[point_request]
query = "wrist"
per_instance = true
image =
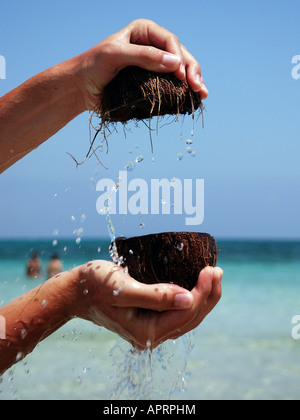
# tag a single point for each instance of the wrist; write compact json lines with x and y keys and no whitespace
{"x":38,"y":313}
{"x":69,"y":81}
{"x":64,"y":289}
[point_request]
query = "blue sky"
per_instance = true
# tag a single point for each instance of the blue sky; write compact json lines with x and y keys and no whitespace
{"x":247,"y":153}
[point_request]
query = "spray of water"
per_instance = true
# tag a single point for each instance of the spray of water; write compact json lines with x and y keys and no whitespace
{"x":161,"y":373}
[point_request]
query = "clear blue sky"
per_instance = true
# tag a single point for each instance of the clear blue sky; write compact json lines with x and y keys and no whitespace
{"x":248,"y":151}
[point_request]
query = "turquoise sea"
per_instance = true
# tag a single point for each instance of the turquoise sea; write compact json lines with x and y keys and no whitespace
{"x":243,"y":350}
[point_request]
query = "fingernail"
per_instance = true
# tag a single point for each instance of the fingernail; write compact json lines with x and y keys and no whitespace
{"x":183,"y":300}
{"x":209,"y":269}
{"x":182,"y":69}
{"x":219,"y":271}
{"x":170,"y":60}
{"x":198,"y":81}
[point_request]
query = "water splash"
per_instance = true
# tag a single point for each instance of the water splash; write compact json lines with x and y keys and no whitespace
{"x":139,"y":158}
{"x":129,"y":166}
{"x":151,"y":374}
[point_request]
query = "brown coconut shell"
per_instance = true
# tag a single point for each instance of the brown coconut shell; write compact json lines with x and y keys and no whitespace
{"x":140,"y":94}
{"x":170,"y":257}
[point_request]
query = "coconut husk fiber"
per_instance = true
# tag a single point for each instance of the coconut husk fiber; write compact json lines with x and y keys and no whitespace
{"x":140,"y":94}
{"x":170,"y":257}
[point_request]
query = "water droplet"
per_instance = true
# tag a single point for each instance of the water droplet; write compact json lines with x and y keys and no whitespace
{"x":44,"y":303}
{"x":179,"y":156}
{"x":189,"y":149}
{"x":85,"y":369}
{"x":173,"y":182}
{"x":120,"y":260}
{"x":193,"y":154}
{"x":103,"y":211}
{"x":80,"y":231}
{"x":23,"y":333}
{"x":19,"y":356}
{"x":78,"y":240}
{"x":139,"y":158}
{"x":129,"y":166}
{"x":73,"y":218}
{"x":142,"y":225}
{"x":125,"y":270}
{"x":117,"y":291}
{"x":180,"y":246}
{"x":54,"y":242}
{"x":163,"y":201}
{"x":86,"y":291}
{"x":99,"y":249}
{"x":130,"y":252}
{"x":189,"y":141}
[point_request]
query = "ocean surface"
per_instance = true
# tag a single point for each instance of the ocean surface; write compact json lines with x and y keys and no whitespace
{"x":243,"y":350}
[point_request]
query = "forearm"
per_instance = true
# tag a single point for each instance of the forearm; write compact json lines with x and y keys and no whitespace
{"x":37,"y":109}
{"x":34,"y":316}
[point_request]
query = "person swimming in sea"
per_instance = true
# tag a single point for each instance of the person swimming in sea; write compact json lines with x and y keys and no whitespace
{"x":33,"y":266}
{"x":55,"y":266}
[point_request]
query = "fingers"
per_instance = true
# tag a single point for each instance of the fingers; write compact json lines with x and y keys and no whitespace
{"x":156,"y":297}
{"x":141,"y":313}
{"x":155,"y":327}
{"x":207,"y":293}
{"x":193,"y":74}
{"x":154,"y":48}
{"x":150,"y":58}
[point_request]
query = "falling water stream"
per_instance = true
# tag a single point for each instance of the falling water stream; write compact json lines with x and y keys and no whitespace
{"x":151,"y":374}
{"x":146,"y":374}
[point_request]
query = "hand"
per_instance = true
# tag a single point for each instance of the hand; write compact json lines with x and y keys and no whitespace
{"x":144,"y":315}
{"x":142,"y":43}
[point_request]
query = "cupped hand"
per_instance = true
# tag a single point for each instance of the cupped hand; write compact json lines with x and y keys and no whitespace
{"x":144,"y":315}
{"x":142,"y":43}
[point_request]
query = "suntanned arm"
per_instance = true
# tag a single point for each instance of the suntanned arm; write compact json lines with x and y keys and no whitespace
{"x":33,"y":316}
{"x":36,"y":110}
{"x":140,"y":313}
